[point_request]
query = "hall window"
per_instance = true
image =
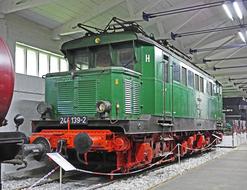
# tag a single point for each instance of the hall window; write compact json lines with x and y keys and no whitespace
{"x":34,"y":61}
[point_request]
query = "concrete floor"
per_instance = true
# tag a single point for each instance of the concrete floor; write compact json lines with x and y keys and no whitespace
{"x":226,"y":173}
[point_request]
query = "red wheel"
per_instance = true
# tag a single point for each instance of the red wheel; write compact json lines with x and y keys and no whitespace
{"x":184,"y":148}
{"x":7,"y":77}
{"x":144,"y":153}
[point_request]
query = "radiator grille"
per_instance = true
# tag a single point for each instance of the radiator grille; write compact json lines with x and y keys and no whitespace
{"x":128,"y":96}
{"x":87,"y":97}
{"x":132,"y":97}
{"x":136,"y":97}
{"x":65,"y":97}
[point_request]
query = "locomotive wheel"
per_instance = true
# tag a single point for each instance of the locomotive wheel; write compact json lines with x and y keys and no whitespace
{"x":46,"y":148}
{"x":144,"y":153}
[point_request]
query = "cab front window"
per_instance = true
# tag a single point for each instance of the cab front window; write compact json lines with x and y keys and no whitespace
{"x":102,"y":56}
{"x":81,"y":59}
{"x":118,"y":55}
{"x":124,"y":55}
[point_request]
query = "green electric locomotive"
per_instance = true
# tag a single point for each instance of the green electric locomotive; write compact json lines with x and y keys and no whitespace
{"x":127,"y":101}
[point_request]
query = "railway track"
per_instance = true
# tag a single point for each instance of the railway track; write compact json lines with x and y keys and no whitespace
{"x":75,"y":180}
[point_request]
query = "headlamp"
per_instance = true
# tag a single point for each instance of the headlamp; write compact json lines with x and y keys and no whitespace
{"x":103,"y":106}
{"x":44,"y":109}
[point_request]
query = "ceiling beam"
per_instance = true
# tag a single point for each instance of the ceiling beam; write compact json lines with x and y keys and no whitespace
{"x":161,"y":28}
{"x":226,"y":54}
{"x":230,"y":67}
{"x":179,"y":25}
{"x":229,"y":74}
{"x":202,"y":39}
{"x":147,"y":16}
{"x":130,"y":8}
{"x":232,"y":46}
{"x":224,"y":59}
{"x":67,"y":27}
{"x":186,"y":22}
{"x":205,"y":31}
{"x":11,"y":6}
{"x":219,"y":43}
{"x":227,"y":57}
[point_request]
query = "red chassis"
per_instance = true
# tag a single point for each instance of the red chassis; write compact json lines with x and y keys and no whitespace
{"x":133,"y":151}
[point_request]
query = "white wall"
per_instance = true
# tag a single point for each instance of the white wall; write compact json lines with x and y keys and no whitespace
{"x":25,"y":31}
{"x":29,"y":90}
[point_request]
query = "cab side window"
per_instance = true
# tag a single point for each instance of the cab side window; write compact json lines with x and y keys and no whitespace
{"x":191,"y":79}
{"x":197,"y":82}
{"x":184,"y":76}
{"x":201,"y":85}
{"x":176,"y":72}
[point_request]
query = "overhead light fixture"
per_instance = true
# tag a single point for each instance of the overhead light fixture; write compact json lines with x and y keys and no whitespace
{"x":241,"y":35}
{"x":237,"y":9}
{"x":227,"y":10}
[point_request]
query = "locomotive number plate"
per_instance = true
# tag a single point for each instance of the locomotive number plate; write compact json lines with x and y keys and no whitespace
{"x":74,"y":120}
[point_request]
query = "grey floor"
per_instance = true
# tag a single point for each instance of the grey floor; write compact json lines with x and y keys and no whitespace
{"x":229,"y":172}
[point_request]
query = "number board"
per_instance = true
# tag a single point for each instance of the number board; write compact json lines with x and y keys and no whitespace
{"x":74,"y":120}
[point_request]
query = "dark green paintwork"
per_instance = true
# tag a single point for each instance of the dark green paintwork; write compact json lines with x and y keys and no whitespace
{"x":156,"y":98}
{"x":104,"y":39}
{"x":78,"y":95}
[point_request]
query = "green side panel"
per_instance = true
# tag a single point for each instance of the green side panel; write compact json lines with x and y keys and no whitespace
{"x":117,"y":94}
{"x":65,"y":97}
{"x":79,"y":96}
{"x":159,"y":98}
{"x":181,"y":101}
{"x":159,"y":81}
{"x":168,"y":99}
{"x":191,"y":96}
{"x":52,"y":87}
{"x":148,"y":87}
{"x":152,"y":95}
{"x":86,"y":97}
{"x":168,"y":93}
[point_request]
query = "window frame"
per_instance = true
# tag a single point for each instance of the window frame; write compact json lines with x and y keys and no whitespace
{"x":193,"y":80}
{"x":173,"y":71}
{"x":184,"y":77}
{"x":197,"y":82}
{"x":38,"y":51}
{"x":117,"y":49}
{"x":201,"y":84}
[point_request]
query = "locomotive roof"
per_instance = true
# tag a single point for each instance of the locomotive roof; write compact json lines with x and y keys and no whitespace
{"x":117,"y":37}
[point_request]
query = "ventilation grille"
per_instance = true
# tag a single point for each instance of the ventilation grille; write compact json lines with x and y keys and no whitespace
{"x":132,"y":97}
{"x":86,"y":97}
{"x":65,"y":97}
{"x":136,"y":97}
{"x":128,"y":96}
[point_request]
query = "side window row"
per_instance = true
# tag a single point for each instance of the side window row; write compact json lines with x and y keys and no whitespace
{"x":180,"y":74}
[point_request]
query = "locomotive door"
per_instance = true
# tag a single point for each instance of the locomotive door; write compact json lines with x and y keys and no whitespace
{"x":167,"y":88}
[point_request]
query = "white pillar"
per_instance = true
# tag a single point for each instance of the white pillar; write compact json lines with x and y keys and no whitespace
{"x":3,"y":27}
